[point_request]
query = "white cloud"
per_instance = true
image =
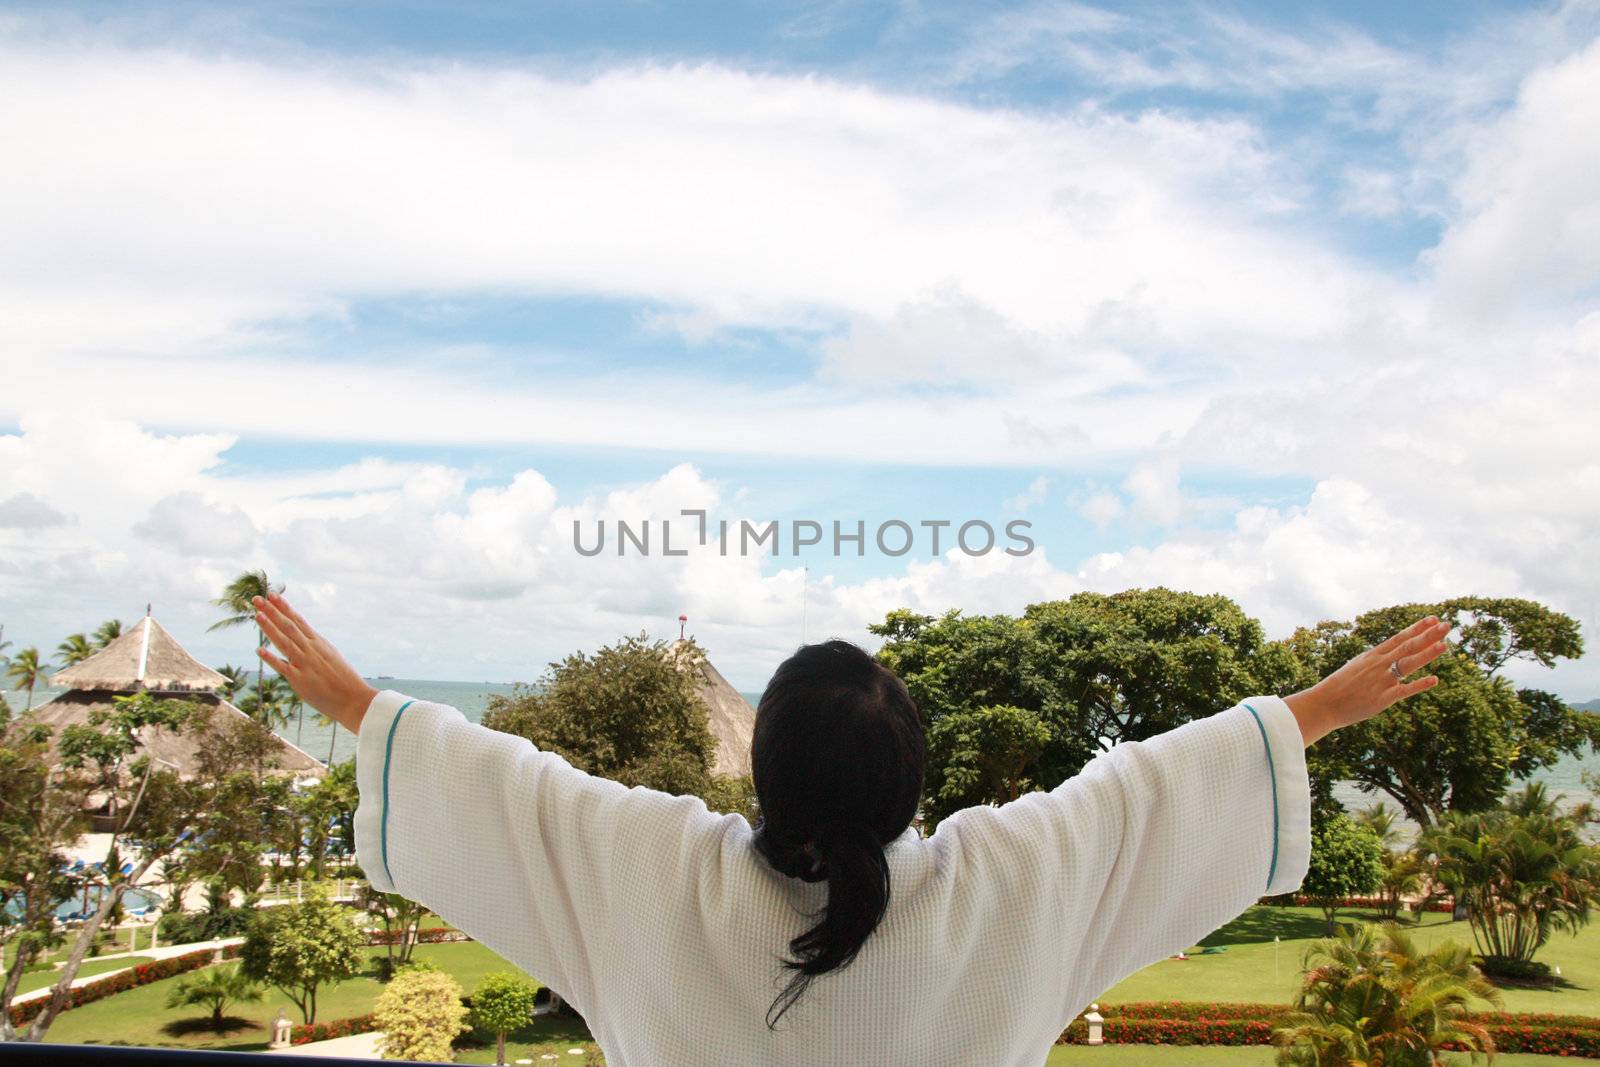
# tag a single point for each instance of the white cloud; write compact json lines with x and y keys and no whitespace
{"x":187,"y":523}
{"x":187,"y":198}
{"x":1030,"y":497}
{"x":25,"y":511}
{"x":1529,"y":232}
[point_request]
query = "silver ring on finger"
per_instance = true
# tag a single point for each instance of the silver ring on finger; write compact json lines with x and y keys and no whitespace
{"x":1394,"y":669}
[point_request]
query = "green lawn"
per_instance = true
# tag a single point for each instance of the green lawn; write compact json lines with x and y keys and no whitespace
{"x":47,"y":977}
{"x":1183,"y":1055}
{"x":140,"y":1016}
{"x":1245,"y":972}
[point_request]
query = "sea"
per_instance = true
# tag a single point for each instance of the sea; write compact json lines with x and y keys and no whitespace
{"x":472,"y":698}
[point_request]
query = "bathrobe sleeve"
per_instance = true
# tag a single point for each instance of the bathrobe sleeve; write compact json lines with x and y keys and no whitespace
{"x":1151,"y":847}
{"x":512,"y":844}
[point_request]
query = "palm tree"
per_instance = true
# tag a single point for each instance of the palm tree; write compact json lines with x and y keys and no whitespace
{"x":4,"y":659}
{"x":216,"y":988}
{"x":1368,"y":997}
{"x":267,"y":703}
{"x":235,"y":680}
{"x":109,"y":631}
{"x":293,"y":705}
{"x":1403,"y":869}
{"x":26,"y":671}
{"x":333,"y":734}
{"x":1521,"y":877}
{"x":238,"y":598}
{"x":75,"y":649}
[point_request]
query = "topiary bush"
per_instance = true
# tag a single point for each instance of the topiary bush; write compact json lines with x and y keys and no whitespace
{"x":420,"y":1013}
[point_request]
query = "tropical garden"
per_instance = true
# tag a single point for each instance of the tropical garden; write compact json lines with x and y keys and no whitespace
{"x":1451,"y":916}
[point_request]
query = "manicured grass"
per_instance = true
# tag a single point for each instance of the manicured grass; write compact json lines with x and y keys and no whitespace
{"x":139,"y":1016}
{"x":1183,"y":1055}
{"x":43,"y":978}
{"x":1245,"y":972}
{"x":549,"y":1035}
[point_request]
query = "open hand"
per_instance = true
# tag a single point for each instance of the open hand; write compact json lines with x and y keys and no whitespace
{"x":1372,"y":681}
{"x":312,"y":667}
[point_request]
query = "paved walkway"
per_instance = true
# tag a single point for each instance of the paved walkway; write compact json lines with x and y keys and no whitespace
{"x":162,"y":953}
{"x":354,"y":1047}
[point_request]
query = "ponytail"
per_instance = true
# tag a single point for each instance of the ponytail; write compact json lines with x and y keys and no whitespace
{"x":852,"y":861}
{"x":838,"y":757}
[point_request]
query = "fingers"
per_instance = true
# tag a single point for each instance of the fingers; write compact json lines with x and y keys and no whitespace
{"x":1413,"y":688}
{"x":295,"y":616}
{"x":274,"y":662}
{"x":1422,"y":656}
{"x":280,"y":632}
{"x":1409,"y":633}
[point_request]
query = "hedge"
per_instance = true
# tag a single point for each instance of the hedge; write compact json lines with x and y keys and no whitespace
{"x":1203,"y":1023}
{"x":304,"y":1034}
{"x":1375,"y":902}
{"x":433,"y":935}
{"x":122,"y":981}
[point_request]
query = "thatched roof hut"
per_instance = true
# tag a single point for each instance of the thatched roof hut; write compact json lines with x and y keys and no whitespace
{"x":732,"y":719}
{"x":149,"y":659}
{"x":176,"y":751}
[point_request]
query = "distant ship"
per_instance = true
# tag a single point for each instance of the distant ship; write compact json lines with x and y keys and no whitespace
{"x":384,"y":678}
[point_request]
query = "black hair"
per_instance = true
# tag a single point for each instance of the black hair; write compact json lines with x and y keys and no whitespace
{"x":838,"y":757}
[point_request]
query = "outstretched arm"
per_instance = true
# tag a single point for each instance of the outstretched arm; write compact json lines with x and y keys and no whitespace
{"x":311,"y":665}
{"x":1372,"y":681}
{"x":1156,"y":843}
{"x":540,"y":861}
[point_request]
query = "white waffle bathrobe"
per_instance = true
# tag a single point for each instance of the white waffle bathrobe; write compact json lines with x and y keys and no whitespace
{"x":657,"y":920}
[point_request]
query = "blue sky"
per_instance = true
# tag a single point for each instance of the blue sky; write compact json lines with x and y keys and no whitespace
{"x":1289,"y":302}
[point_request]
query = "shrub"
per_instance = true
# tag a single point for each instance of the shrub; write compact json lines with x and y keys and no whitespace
{"x":305,"y":1033}
{"x":1191,"y":1022}
{"x":302,"y":947}
{"x":503,"y":1002}
{"x":1517,"y":970}
{"x":420,"y":1013}
{"x":122,"y":981}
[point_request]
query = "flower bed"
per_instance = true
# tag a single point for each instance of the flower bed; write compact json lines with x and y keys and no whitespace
{"x":433,"y":935}
{"x":1203,"y":1023}
{"x":122,"y":981}
{"x":303,"y":1034}
{"x":1376,"y":902}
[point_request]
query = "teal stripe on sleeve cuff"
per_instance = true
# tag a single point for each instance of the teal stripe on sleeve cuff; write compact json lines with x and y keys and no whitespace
{"x":1272,"y":773}
{"x":383,"y":825}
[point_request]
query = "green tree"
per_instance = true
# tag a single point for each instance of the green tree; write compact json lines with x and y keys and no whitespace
{"x":238,"y":600}
{"x":234,"y":681}
{"x":326,"y":812}
{"x":503,"y":1002}
{"x":981,"y":756}
{"x":1404,"y":870}
{"x":1092,"y":670}
{"x":1521,"y":872}
{"x":25,"y":671}
{"x":630,"y":712}
{"x":107,"y":632}
{"x":267,"y":703}
{"x":300,"y":948}
{"x":420,"y":1013}
{"x":1368,"y":997}
{"x":75,"y":649}
{"x":215,"y":988}
{"x":401,"y":918}
{"x":41,"y":816}
{"x":1458,"y":746}
{"x":1346,"y":861}
{"x":212,"y":814}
